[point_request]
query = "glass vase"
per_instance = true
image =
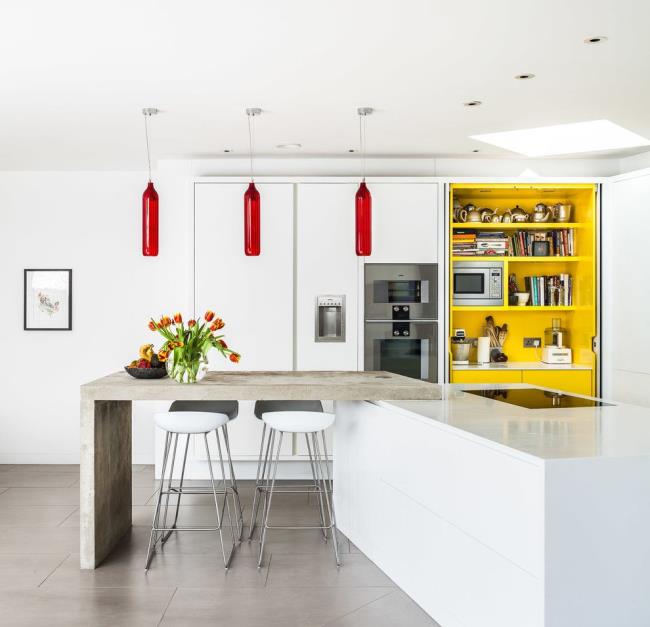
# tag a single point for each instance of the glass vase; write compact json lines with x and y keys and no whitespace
{"x":186,"y":368}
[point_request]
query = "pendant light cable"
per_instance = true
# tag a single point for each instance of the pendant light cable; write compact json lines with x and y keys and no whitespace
{"x":251,"y":131}
{"x":363,"y":112}
{"x":146,"y":137}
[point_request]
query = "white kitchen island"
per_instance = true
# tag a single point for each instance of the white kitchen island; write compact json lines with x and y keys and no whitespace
{"x":492,"y":515}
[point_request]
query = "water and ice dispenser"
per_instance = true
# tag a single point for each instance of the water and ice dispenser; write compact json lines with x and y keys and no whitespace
{"x":330,"y":319}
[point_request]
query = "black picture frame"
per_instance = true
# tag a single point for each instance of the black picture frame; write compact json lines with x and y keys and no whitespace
{"x":25,"y":279}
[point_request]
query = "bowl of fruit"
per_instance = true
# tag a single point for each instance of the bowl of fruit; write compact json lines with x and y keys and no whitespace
{"x":147,"y":366}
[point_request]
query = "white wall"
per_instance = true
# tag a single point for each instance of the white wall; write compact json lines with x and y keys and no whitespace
{"x":90,"y":222}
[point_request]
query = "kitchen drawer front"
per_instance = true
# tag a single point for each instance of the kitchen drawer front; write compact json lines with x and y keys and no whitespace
{"x":486,"y":376}
{"x":575,"y":381}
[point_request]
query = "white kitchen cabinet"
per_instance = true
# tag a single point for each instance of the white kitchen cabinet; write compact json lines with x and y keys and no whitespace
{"x":254,"y":295}
{"x":326,"y":264}
{"x":404,"y":222}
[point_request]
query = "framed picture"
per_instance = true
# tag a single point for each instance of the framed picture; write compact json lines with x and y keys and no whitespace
{"x":48,"y":300}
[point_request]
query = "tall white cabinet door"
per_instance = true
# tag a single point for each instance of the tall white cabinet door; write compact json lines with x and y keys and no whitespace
{"x":404,"y":223}
{"x":326,"y":264}
{"x":254,"y":295}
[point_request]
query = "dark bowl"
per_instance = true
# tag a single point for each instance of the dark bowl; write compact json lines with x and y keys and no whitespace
{"x":147,"y":373}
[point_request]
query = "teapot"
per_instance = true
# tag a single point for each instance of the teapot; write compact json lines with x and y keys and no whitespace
{"x":506,"y":218}
{"x":487,"y":215}
{"x":472,"y":214}
{"x":518,"y":214}
{"x":541,"y":213}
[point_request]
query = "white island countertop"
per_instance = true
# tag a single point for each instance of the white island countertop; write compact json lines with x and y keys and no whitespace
{"x":615,"y":430}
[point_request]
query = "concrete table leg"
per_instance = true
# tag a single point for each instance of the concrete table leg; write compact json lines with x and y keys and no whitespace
{"x":105,"y":506}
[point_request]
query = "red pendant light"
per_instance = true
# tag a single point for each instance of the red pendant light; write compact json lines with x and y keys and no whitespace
{"x":363,"y":199}
{"x":363,"y":220}
{"x":149,"y":201}
{"x":251,"y":199}
{"x":252,"y":221}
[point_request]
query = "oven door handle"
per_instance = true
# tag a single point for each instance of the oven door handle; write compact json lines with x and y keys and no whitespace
{"x":413,"y":320}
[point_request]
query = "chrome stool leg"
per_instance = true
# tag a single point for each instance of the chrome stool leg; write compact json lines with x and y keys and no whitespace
{"x":154,"y":525}
{"x":180,"y":491}
{"x":328,"y":495}
{"x":233,"y":486}
{"x":267,"y":507}
{"x":259,"y":480}
{"x":317,"y":488}
{"x":226,"y":560}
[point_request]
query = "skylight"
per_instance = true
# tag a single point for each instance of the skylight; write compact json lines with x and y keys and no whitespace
{"x":564,"y":139}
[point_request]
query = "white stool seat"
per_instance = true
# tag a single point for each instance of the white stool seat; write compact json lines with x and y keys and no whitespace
{"x":190,"y":421}
{"x":298,"y":421}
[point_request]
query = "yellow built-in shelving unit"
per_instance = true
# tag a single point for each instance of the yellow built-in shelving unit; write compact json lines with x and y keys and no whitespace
{"x":530,"y":321}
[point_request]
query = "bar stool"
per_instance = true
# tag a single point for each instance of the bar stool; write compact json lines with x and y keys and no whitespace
{"x":194,"y":418}
{"x":263,"y":462}
{"x":311,"y":424}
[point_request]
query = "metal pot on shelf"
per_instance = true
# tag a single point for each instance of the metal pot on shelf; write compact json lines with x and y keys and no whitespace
{"x":561,"y":212}
{"x":541,"y":213}
{"x":518,"y":214}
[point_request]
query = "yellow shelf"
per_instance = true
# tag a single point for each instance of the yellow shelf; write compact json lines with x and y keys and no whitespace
{"x":525,"y":309}
{"x":513,"y":258}
{"x":519,"y":226}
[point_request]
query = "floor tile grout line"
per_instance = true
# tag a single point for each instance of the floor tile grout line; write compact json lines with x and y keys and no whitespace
{"x":54,"y":569}
{"x":70,"y":515}
{"x":383,"y":596}
{"x":167,"y":606}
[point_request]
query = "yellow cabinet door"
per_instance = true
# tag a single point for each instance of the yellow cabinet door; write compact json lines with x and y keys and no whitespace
{"x":486,"y":376}
{"x":576,"y":381}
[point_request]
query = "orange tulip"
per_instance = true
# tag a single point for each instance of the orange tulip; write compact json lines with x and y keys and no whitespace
{"x":162,"y":355}
{"x":234,"y":357}
{"x":213,"y":327}
{"x":191,"y":323}
{"x":178,"y":318}
{"x":223,"y":344}
{"x":153,"y":326}
{"x":219,"y":323}
{"x":209,"y":315}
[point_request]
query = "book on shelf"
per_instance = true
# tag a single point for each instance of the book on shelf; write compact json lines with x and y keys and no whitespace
{"x":555,"y":290}
{"x":561,"y":242}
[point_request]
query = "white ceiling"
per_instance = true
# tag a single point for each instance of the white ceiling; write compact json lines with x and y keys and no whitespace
{"x":75,"y":74}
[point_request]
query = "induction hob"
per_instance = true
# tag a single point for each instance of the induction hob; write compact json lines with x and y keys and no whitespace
{"x":532,"y":398}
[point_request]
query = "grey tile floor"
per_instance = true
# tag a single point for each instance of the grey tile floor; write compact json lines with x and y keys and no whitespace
{"x":41,"y":584}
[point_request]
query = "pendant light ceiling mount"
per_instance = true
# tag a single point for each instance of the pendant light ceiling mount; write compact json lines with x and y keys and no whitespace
{"x":253,"y":111}
{"x":365,"y":110}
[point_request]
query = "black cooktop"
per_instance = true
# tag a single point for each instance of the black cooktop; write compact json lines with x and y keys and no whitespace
{"x":532,"y":398}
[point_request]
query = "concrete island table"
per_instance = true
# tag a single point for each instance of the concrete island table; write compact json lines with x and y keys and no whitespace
{"x":106,"y":429}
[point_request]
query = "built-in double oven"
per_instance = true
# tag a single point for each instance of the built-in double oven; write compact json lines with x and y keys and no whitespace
{"x":401,"y":319}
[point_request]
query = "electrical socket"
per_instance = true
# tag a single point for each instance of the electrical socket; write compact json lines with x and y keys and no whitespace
{"x":532,"y":342}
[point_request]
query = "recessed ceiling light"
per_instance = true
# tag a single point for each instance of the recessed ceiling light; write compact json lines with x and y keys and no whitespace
{"x":524,"y":77}
{"x":564,"y":139}
{"x":473,"y":103}
{"x":596,"y":40}
{"x":289,"y":146}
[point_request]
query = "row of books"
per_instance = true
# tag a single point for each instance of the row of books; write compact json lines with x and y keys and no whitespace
{"x":554,"y":290}
{"x":469,"y":243}
{"x":560,"y":243}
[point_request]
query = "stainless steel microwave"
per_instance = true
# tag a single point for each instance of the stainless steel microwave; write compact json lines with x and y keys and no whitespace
{"x":478,"y":283}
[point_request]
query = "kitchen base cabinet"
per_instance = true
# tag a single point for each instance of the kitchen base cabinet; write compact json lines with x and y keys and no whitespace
{"x":483,"y":376}
{"x":576,"y":381}
{"x":567,"y":380}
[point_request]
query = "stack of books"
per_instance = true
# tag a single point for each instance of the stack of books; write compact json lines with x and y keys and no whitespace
{"x":560,"y":242}
{"x":464,"y":243}
{"x":492,"y":243}
{"x":555,"y":290}
{"x":470,"y":243}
